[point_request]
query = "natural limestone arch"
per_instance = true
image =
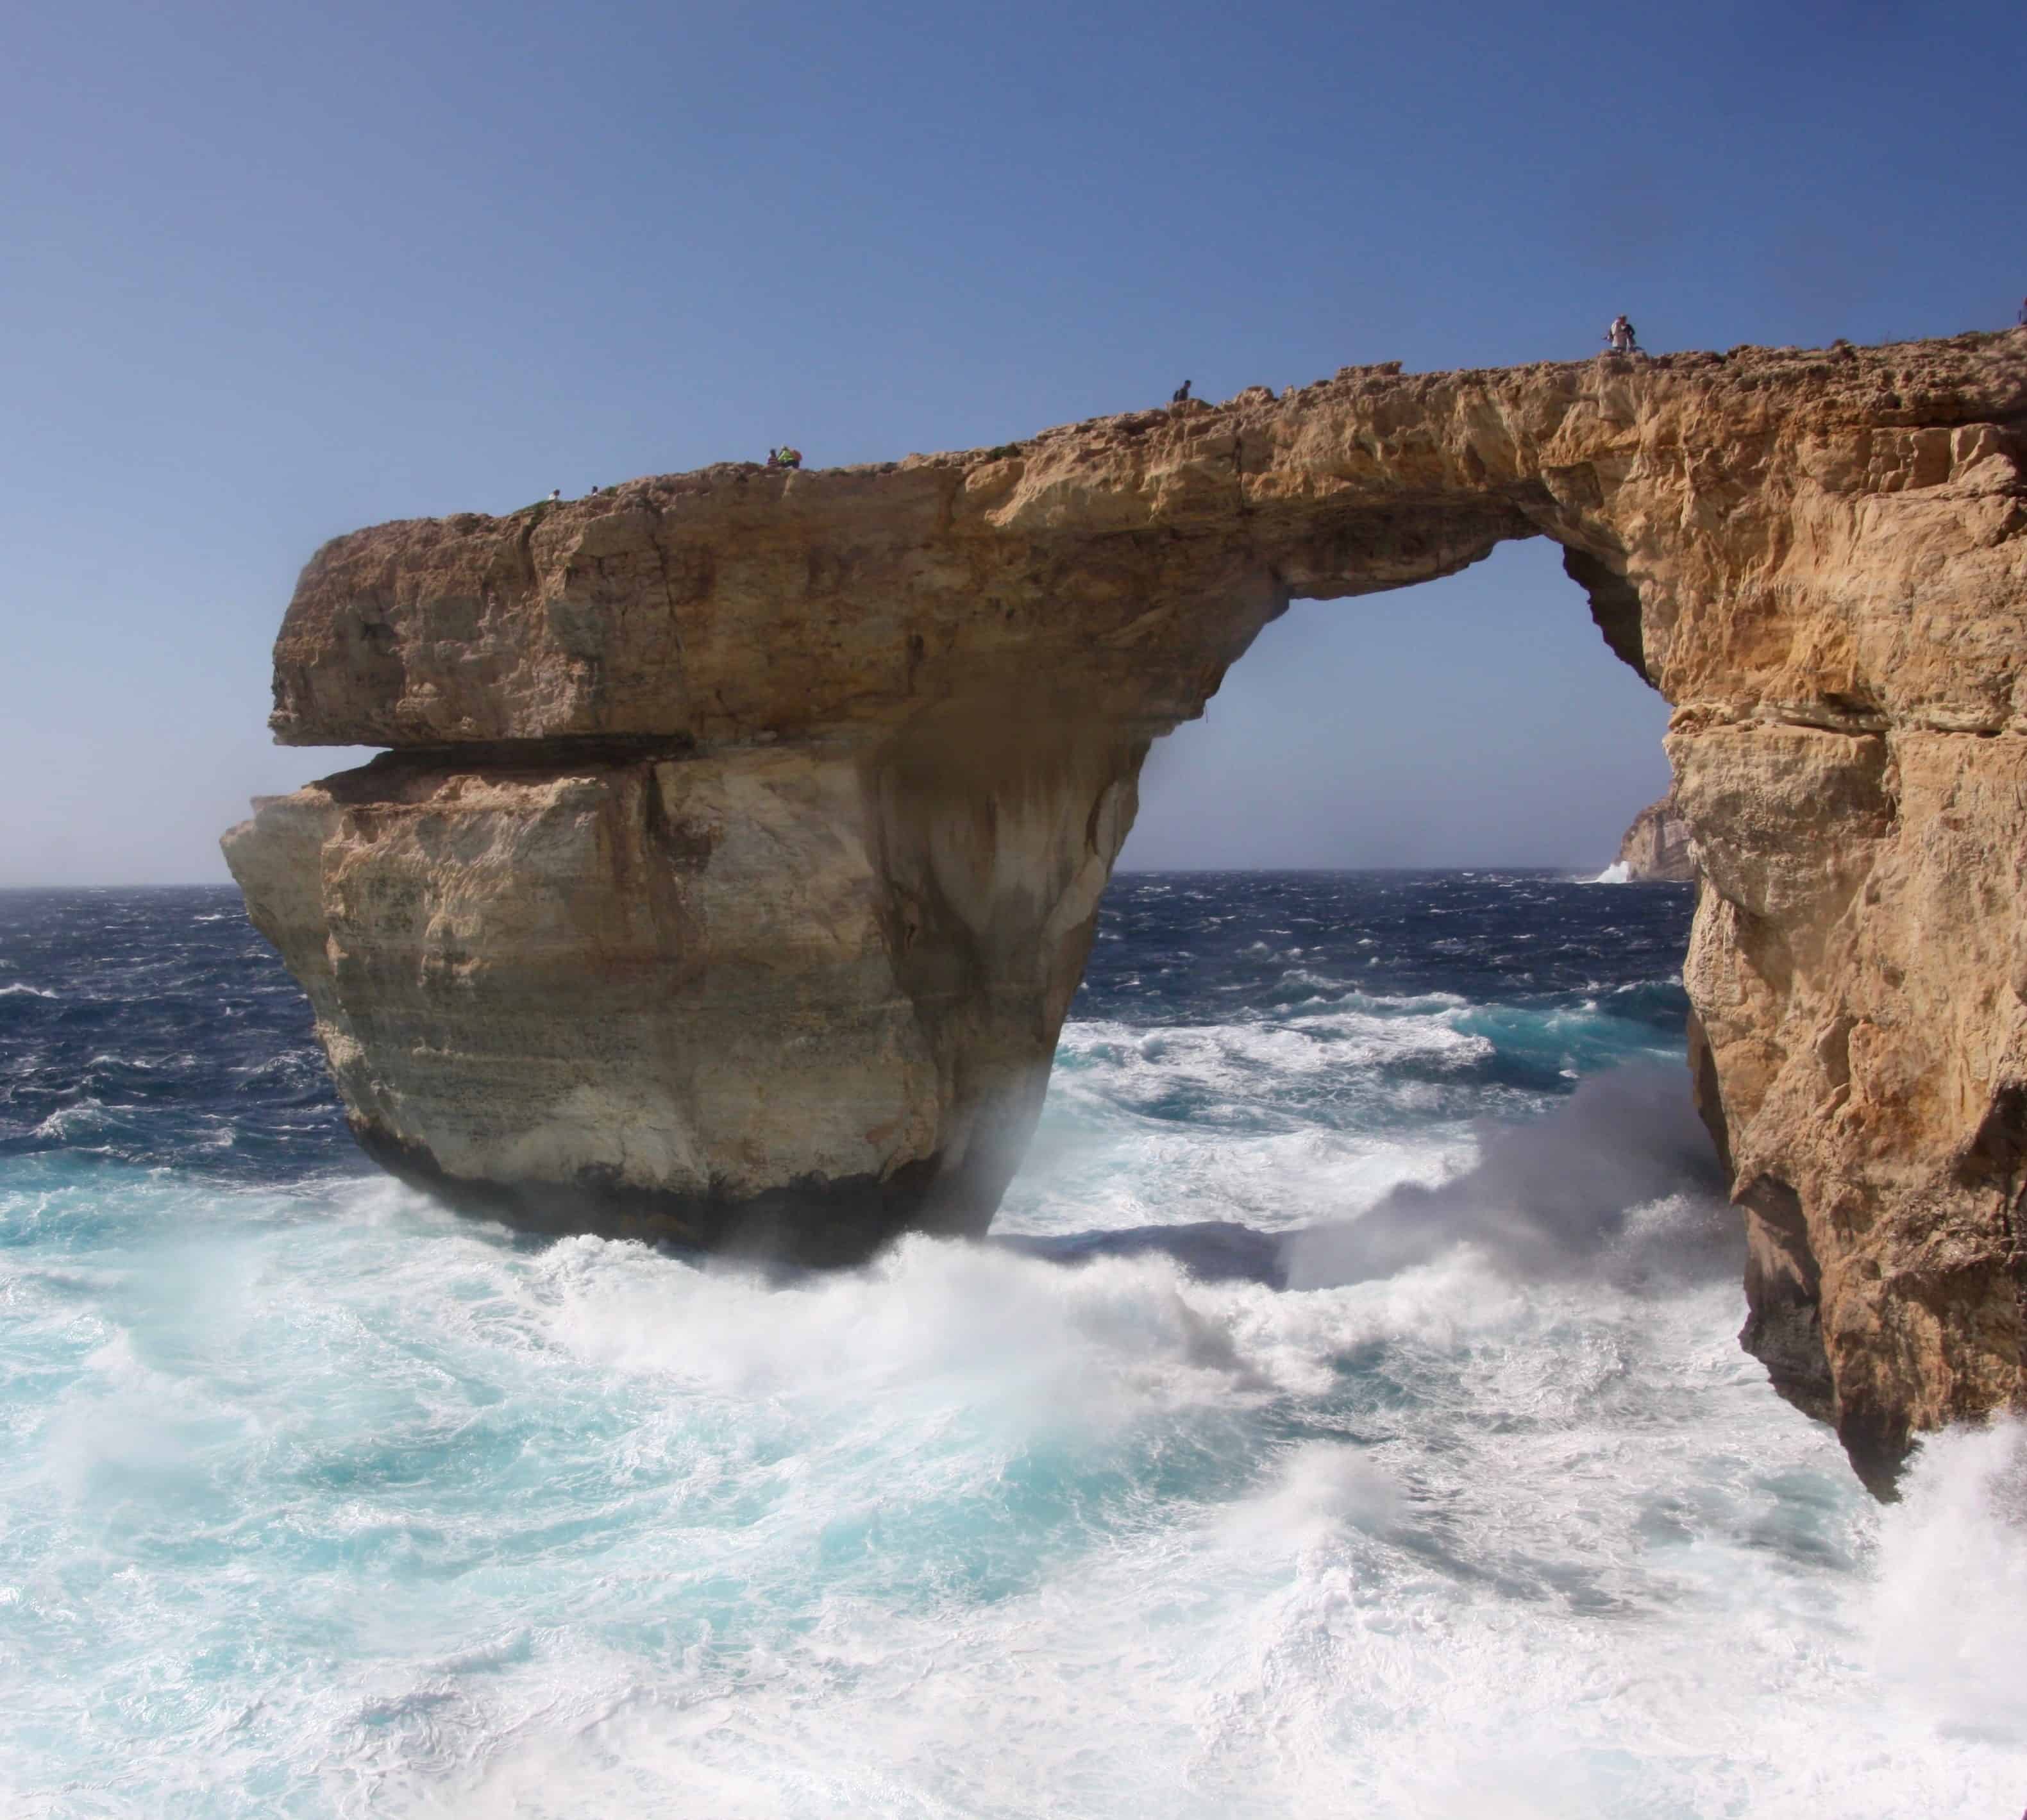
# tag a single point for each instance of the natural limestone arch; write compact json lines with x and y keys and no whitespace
{"x":738,"y":852}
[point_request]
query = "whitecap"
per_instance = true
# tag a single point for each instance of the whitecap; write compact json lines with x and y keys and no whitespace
{"x":1961,"y":1522}
{"x":86,"y":1117}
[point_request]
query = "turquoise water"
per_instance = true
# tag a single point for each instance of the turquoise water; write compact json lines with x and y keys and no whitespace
{"x":320,"y":1500}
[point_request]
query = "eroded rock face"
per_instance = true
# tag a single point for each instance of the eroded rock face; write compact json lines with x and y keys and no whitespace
{"x":1656,"y":849}
{"x":739,"y":851}
{"x":791,"y":998}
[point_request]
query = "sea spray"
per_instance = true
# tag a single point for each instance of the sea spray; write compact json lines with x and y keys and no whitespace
{"x":321,"y":1501}
{"x":1554,"y":1196}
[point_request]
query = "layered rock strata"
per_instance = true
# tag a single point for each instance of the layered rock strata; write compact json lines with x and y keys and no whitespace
{"x":1657,"y":848}
{"x":738,"y":852}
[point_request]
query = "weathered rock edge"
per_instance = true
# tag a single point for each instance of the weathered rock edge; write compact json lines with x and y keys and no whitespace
{"x":741,"y":847}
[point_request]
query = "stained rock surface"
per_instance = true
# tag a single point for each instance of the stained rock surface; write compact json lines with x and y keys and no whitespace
{"x":740,"y":845}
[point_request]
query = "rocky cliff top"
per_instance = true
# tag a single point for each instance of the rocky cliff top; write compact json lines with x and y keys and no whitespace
{"x":1127,"y":559}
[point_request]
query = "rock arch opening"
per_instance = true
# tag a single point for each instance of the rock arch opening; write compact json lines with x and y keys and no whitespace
{"x":1475,"y":720}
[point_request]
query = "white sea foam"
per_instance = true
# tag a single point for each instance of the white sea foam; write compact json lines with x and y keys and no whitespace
{"x":18,"y":990}
{"x":1085,"y":1178}
{"x":330,"y":1502}
{"x":68,"y":1125}
{"x":1221,"y":1122}
{"x":379,"y":1513}
{"x":1950,"y":1611}
{"x":1224,"y":1058}
{"x":1618,"y":872}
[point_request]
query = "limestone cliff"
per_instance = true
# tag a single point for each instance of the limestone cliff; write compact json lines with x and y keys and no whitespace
{"x":1656,"y":849}
{"x":739,"y":852}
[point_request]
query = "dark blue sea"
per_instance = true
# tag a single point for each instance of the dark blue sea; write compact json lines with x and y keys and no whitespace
{"x":1345,"y":1419}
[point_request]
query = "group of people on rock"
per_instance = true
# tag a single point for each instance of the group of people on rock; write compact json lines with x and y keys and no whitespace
{"x":1619,"y":337}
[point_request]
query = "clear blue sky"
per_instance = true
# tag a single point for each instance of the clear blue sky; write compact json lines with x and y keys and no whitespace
{"x":274,"y":271}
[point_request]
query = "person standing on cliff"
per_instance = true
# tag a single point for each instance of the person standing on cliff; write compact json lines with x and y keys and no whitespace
{"x":1620,"y":336}
{"x":1181,"y":394}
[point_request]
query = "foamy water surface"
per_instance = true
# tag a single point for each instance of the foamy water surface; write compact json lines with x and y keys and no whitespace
{"x":319,"y":1500}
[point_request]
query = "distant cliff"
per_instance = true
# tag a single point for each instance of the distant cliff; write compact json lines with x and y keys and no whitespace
{"x":1656,"y":849}
{"x":744,"y":841}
